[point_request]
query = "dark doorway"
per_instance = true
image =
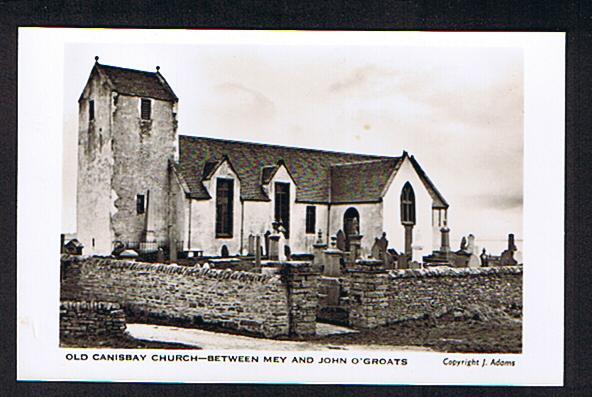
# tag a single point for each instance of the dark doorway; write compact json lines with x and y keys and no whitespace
{"x":224,"y":251}
{"x":351,"y":224}
{"x":282,"y":205}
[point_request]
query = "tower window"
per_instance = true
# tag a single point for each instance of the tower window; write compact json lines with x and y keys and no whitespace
{"x":91,"y":110}
{"x":224,"y":207}
{"x":146,"y":109}
{"x":311,"y":212}
{"x":140,"y":204}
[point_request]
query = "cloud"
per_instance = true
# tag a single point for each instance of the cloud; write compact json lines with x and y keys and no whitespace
{"x":360,"y":77}
{"x":245,"y":95}
{"x":499,"y":201}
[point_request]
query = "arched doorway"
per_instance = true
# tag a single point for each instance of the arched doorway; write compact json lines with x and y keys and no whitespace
{"x":351,"y":224}
{"x":408,"y":216}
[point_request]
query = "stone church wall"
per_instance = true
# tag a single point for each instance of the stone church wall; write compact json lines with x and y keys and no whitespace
{"x":266,"y":305}
{"x":142,"y":150}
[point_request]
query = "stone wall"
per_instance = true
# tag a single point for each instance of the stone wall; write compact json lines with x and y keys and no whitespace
{"x":414,"y":293}
{"x":91,"y":320}
{"x":268,"y":305}
{"x":372,"y":296}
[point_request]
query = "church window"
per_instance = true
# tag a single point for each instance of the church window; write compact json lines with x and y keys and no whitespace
{"x":224,"y":207}
{"x":146,"y":109}
{"x":311,"y":219}
{"x":407,"y":205}
{"x":282,"y":206}
{"x":91,"y":110}
{"x":140,"y":204}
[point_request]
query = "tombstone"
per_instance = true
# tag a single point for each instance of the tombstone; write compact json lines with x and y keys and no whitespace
{"x":463,"y":244}
{"x":355,"y":245}
{"x":274,"y":249}
{"x":251,"y":245}
{"x":224,"y":251}
{"x":484,"y":261}
{"x":445,"y":239}
{"x":160,"y":256}
{"x":403,"y":261}
{"x":267,"y":244}
{"x":287,"y":252}
{"x":473,"y":261}
{"x":471,"y":248}
{"x":205,"y":265}
{"x":129,"y":254}
{"x":333,"y":242}
{"x":340,"y":240}
{"x":258,"y":251}
{"x":507,"y":257}
{"x":319,"y":237}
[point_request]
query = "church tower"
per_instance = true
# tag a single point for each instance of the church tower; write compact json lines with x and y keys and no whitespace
{"x":127,"y":137}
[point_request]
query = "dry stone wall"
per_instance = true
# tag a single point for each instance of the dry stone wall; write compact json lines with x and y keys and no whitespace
{"x":91,"y":320}
{"x":415,"y":293}
{"x":268,"y":305}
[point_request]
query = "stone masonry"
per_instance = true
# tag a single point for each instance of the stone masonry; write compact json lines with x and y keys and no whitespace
{"x":267,"y":305}
{"x":91,"y":320}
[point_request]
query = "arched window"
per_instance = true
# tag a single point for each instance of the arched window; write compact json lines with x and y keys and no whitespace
{"x":407,"y":205}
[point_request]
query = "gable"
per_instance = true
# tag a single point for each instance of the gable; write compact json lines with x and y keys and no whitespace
{"x":135,"y":82}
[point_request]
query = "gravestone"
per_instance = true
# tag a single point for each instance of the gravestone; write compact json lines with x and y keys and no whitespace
{"x":473,"y":261}
{"x":251,"y":246}
{"x":274,"y":249}
{"x":507,"y":257}
{"x":258,"y":251}
{"x":224,"y":252}
{"x":471,"y":244}
{"x":266,"y":236}
{"x":463,"y":244}
{"x":484,"y":261}
{"x":340,"y":240}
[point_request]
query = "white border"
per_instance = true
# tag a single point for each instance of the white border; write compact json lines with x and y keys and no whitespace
{"x":40,"y":83}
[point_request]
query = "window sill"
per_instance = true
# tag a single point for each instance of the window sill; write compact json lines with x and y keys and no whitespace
{"x":223,"y":236}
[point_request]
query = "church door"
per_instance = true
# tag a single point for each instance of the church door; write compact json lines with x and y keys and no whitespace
{"x":408,"y":216}
{"x":351,"y":224}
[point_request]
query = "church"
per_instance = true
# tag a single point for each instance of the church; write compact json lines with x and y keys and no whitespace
{"x":144,"y":186}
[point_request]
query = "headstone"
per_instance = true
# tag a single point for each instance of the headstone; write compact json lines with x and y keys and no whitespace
{"x":471,"y":244}
{"x":274,"y":249}
{"x":403,"y":261}
{"x":463,"y":243}
{"x":267,"y":244}
{"x":333,"y":242}
{"x":355,"y":226}
{"x":473,"y":261}
{"x":379,"y":248}
{"x":160,"y":256}
{"x":224,"y":251}
{"x":206,"y":265}
{"x":445,"y":239}
{"x":319,"y":237}
{"x":258,"y":251}
{"x":251,"y":245}
{"x":507,"y":257}
{"x":341,"y":240}
{"x":287,"y":252}
{"x":484,"y":261}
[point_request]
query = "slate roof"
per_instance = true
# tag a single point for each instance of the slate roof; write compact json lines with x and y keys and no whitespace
{"x":320,"y":176}
{"x":138,"y":83}
{"x":361,"y":181}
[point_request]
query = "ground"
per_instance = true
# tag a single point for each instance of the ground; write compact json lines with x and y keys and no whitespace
{"x":445,"y":334}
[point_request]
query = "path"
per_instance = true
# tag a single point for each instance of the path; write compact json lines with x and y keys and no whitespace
{"x":224,"y":341}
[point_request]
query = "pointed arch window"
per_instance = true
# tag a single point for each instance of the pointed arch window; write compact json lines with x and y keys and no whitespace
{"x":407,"y":205}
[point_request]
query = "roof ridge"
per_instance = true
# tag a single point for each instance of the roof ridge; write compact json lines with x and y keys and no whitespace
{"x":383,"y":159}
{"x":376,"y":156}
{"x":126,"y":69}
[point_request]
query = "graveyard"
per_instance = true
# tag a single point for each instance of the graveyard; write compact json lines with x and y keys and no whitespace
{"x":462,"y":301}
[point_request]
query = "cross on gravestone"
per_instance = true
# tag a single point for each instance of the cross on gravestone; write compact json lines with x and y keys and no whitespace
{"x":340,"y":240}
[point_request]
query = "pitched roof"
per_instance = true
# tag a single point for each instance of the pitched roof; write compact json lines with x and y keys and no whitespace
{"x":361,"y":181}
{"x":138,"y":83}
{"x":309,"y":168}
{"x":320,"y":176}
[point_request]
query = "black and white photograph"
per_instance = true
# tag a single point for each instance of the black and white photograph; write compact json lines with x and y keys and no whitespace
{"x":297,"y":198}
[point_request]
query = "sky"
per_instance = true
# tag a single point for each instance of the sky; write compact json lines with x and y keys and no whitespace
{"x":458,"y":110}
